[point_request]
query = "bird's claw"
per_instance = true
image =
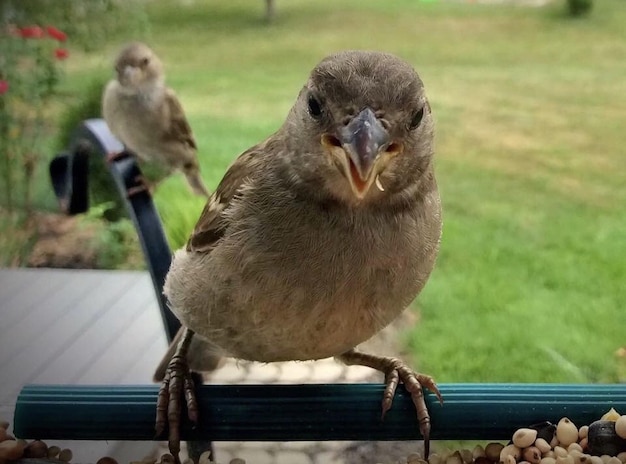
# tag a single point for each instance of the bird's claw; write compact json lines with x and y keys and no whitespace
{"x":115,"y":155}
{"x":141,"y":185}
{"x":177,"y":384}
{"x":395,"y":371}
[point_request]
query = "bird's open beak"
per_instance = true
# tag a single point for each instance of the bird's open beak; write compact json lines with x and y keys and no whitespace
{"x":361,"y":141}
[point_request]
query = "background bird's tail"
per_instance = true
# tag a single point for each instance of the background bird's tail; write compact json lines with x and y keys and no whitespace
{"x":196,"y":184}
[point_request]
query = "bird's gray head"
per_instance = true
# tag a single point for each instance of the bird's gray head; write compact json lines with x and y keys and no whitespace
{"x":363,"y":125}
{"x":137,"y":66}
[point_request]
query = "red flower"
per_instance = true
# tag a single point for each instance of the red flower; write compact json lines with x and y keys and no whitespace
{"x":31,"y":32}
{"x":61,"y":53}
{"x":4,"y":86}
{"x":56,"y":34}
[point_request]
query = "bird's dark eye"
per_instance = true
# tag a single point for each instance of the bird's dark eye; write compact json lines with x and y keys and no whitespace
{"x":315,"y":109}
{"x":145,"y":61}
{"x":417,"y":118}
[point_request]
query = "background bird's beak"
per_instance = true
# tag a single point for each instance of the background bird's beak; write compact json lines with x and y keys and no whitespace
{"x":363,"y":139}
{"x":128,"y":71}
{"x":126,"y":74}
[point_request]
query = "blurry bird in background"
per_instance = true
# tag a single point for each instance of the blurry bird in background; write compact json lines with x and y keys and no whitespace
{"x":315,"y":239}
{"x":148,"y":119}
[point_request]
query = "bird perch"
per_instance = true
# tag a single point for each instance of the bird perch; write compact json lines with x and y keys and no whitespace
{"x":309,"y":412}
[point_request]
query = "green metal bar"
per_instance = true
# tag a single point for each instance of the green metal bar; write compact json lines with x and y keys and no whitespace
{"x":308,"y":412}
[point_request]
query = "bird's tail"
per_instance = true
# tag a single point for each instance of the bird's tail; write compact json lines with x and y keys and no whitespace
{"x":196,"y":183}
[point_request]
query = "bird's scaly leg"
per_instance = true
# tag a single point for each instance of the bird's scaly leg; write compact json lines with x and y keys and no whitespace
{"x":396,"y":370}
{"x":141,"y":185}
{"x":115,"y":155}
{"x":176,"y":384}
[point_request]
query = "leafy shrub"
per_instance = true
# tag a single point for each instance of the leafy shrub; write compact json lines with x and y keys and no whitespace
{"x":34,"y":36}
{"x":30,"y":69}
{"x":579,"y":7}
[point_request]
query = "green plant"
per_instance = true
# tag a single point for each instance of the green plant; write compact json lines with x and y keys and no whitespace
{"x":89,"y":23}
{"x":116,"y":243}
{"x":29,"y":75}
{"x":15,"y":247}
{"x":32,"y":92}
{"x":84,"y":104}
{"x":579,"y":7}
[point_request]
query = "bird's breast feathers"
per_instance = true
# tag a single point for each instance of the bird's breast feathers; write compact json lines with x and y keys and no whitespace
{"x":290,"y":280}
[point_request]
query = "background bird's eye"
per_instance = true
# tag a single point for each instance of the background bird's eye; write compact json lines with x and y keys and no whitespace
{"x":144,"y":62}
{"x":315,"y":109}
{"x":417,"y":118}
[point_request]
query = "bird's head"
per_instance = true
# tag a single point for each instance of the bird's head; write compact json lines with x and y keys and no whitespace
{"x":364,"y":126}
{"x":137,"y":66}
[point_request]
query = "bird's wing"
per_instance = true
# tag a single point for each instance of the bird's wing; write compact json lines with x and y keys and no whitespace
{"x":212,"y":223}
{"x":178,"y":128}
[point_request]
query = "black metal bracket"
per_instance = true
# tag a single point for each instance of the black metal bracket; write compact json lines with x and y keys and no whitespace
{"x":69,"y":173}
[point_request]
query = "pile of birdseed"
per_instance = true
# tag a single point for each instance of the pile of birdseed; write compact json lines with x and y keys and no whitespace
{"x":601,"y":442}
{"x":14,"y":450}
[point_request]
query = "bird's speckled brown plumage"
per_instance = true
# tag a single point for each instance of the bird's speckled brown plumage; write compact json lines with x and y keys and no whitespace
{"x":296,"y":256}
{"x":148,"y":118}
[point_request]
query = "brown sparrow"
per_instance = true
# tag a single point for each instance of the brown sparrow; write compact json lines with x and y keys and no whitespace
{"x":316,"y":238}
{"x":148,"y":119}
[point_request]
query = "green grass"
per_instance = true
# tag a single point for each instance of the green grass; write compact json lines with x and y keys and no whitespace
{"x":530,"y":109}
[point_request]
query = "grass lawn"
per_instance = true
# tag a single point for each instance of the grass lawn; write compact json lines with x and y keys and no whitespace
{"x":531,"y":113}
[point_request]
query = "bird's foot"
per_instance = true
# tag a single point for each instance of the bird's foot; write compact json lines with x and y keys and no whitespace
{"x":177,"y":384}
{"x":113,"y":156}
{"x":396,"y":370}
{"x":141,"y":185}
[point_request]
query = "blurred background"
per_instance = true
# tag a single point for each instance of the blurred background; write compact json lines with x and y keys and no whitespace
{"x":529,"y":99}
